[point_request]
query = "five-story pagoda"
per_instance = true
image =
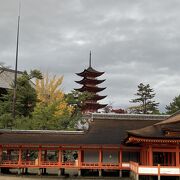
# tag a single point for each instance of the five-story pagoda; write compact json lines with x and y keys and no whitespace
{"x":90,"y":84}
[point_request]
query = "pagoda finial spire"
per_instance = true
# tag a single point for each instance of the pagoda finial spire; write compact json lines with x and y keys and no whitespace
{"x":90,"y":59}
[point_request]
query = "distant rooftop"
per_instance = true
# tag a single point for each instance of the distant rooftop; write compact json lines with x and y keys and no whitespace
{"x":7,"y":77}
{"x":129,"y":116}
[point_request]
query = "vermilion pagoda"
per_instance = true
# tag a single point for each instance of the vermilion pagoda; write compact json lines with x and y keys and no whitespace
{"x":90,"y":84}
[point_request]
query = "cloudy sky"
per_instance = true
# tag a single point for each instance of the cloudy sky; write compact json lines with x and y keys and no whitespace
{"x":133,"y":41}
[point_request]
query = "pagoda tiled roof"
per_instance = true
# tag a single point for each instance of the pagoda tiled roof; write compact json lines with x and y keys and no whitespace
{"x":90,"y":89}
{"x":98,"y":97}
{"x":95,"y":106}
{"x":89,"y":81}
{"x":90,"y":72}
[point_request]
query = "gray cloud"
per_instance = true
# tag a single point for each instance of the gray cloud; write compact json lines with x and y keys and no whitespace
{"x":132,"y":41}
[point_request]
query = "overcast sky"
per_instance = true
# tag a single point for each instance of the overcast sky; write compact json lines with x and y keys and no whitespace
{"x":133,"y":41}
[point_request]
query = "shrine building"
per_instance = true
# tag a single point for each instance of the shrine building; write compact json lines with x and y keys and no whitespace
{"x":136,"y":145}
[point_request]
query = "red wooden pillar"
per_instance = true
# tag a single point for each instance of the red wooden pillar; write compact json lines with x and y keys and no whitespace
{"x":169,"y":159}
{"x":27,"y":155}
{"x":45,"y":155}
{"x":20,"y":156}
{"x":120,"y":158}
{"x":177,"y":155}
{"x":82,"y":155}
{"x":8,"y":154}
{"x":173,"y":158}
{"x":1,"y":153}
{"x":141,"y":156}
{"x":60,"y":156}
{"x":39,"y":155}
{"x":100,"y":157}
{"x":150,"y":156}
{"x":79,"y":157}
{"x":145,"y":155}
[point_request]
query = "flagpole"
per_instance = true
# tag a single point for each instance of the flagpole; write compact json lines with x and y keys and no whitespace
{"x":16,"y":65}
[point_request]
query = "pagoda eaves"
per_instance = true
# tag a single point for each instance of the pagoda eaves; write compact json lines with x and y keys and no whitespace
{"x":89,"y":84}
{"x":91,"y":89}
{"x":90,"y":81}
{"x":90,"y":72}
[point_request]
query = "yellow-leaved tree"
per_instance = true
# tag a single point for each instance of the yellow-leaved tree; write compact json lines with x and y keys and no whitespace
{"x":49,"y":92}
{"x":52,"y":110}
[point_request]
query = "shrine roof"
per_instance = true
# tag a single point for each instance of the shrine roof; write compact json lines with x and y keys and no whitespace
{"x":104,"y":129}
{"x":168,"y":128}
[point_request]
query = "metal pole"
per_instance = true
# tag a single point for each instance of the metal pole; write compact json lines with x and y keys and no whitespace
{"x":16,"y":64}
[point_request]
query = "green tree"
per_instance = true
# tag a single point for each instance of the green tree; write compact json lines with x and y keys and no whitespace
{"x":146,"y":104}
{"x":77,"y":100}
{"x":25,"y":95}
{"x":173,"y":106}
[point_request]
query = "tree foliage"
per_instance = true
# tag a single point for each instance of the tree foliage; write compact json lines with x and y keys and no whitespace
{"x":173,"y":106}
{"x":146,"y":105}
{"x":25,"y":95}
{"x":42,"y":105}
{"x":49,"y":94}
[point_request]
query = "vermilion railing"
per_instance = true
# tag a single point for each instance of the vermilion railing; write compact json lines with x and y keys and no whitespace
{"x":90,"y":164}
{"x":28,"y":163}
{"x":49,"y":163}
{"x":9,"y":162}
{"x":154,"y":170}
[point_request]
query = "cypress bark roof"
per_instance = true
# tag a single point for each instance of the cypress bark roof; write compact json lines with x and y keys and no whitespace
{"x":104,"y":129}
{"x":167,"y":129}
